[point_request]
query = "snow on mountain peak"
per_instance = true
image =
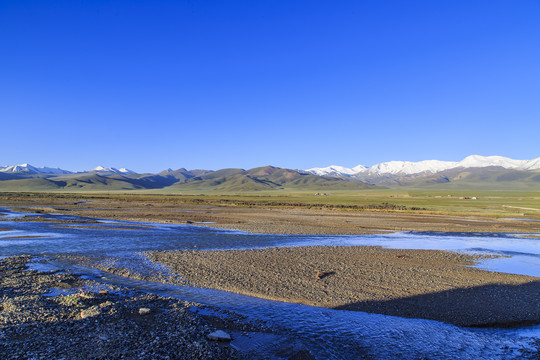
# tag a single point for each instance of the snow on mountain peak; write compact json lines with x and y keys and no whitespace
{"x":483,"y":161}
{"x":358,"y":168}
{"x":29,"y":169}
{"x":125,"y":171}
{"x":429,"y":166}
{"x":335,"y":170}
{"x":113,"y":170}
{"x":409,"y":167}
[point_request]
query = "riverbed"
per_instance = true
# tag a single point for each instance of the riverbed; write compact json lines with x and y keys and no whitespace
{"x":327,"y":333}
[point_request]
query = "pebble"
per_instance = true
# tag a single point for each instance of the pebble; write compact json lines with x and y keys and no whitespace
{"x":144,"y":311}
{"x":219,"y":335}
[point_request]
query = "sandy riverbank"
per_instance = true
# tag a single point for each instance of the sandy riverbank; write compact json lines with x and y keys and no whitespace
{"x":426,"y":284}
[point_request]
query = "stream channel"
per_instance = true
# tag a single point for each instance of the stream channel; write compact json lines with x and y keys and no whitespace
{"x":328,"y":334}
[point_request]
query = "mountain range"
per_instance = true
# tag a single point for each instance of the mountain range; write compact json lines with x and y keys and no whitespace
{"x":32,"y":170}
{"x":429,"y":166}
{"x":29,"y":169}
{"x":482,"y":172}
{"x":475,"y":171}
{"x":30,"y":178}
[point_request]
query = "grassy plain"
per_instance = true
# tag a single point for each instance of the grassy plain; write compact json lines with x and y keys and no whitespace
{"x":498,"y":204}
{"x":491,"y":203}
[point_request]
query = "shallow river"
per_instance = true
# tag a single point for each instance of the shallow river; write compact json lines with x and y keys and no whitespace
{"x":328,"y":334}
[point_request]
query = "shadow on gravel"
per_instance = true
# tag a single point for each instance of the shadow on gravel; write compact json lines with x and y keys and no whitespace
{"x":482,"y":306}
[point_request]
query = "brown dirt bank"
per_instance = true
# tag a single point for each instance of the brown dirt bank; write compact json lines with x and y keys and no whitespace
{"x":426,"y":284}
{"x":264,"y":220}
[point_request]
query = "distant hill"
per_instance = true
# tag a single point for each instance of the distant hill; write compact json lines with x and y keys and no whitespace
{"x":224,"y":180}
{"x":85,"y":181}
{"x":266,"y":178}
{"x":474,"y":172}
{"x":490,"y":178}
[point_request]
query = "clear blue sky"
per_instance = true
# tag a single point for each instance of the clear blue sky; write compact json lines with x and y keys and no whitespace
{"x":212,"y":84}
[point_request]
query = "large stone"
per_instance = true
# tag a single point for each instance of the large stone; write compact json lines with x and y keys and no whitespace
{"x":90,"y":312}
{"x":219,"y":335}
{"x":144,"y":311}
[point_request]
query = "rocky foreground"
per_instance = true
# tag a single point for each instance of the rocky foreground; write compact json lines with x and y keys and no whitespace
{"x":90,"y":320}
{"x":429,"y":284}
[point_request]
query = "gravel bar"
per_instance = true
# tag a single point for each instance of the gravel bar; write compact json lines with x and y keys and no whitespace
{"x":58,"y":315}
{"x":429,"y":284}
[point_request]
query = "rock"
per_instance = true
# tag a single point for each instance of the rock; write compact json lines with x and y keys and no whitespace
{"x":86,"y":295}
{"x":105,"y":304}
{"x":91,"y":311}
{"x":219,"y":335}
{"x":144,"y":311}
{"x":322,"y":274}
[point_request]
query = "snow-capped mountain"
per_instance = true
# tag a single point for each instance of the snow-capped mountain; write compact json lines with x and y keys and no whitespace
{"x":484,"y":161}
{"x":122,"y":171}
{"x":336,"y":170}
{"x":409,"y":167}
{"x":428,"y":166}
{"x":29,"y":169}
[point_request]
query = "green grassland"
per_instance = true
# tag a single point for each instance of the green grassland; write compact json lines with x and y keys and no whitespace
{"x":494,"y":203}
{"x":487,"y":203}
